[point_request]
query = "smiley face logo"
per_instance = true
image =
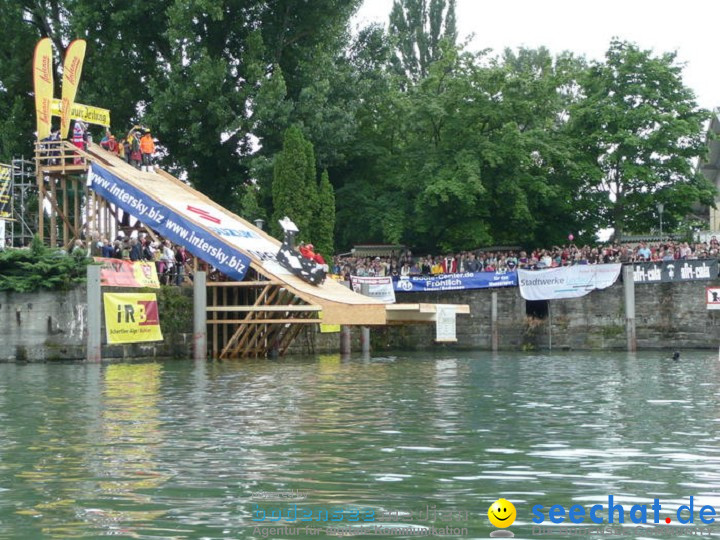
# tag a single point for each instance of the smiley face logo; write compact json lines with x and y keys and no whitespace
{"x":502,"y":513}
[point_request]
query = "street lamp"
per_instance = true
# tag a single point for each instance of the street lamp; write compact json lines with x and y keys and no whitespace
{"x":660,"y":207}
{"x":260,"y":222}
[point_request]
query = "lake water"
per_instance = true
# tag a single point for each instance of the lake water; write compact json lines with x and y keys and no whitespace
{"x":191,"y":450}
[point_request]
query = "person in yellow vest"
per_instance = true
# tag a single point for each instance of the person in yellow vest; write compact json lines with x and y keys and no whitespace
{"x":147,"y":148}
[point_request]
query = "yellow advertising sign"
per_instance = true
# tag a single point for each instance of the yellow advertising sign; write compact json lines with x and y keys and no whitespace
{"x":131,"y":317}
{"x":72,"y":70}
{"x":86,"y":113}
{"x":43,"y":84}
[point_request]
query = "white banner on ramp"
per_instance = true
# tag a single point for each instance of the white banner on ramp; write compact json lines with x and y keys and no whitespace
{"x":379,"y":288}
{"x":567,"y":281}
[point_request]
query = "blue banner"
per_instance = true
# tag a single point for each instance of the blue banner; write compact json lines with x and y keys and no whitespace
{"x":168,"y":223}
{"x":456,"y":282}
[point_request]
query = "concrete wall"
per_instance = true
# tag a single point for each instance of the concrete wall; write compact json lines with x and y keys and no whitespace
{"x":52,"y":325}
{"x":46,"y":326}
{"x":667,"y":315}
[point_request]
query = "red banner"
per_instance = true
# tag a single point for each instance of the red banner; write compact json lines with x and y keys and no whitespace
{"x":119,"y":273}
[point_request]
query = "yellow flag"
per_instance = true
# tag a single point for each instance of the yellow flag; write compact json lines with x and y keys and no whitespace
{"x":72,"y":69}
{"x":43,"y":83}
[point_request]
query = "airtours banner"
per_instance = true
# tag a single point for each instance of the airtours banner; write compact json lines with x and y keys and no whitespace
{"x":455,"y":282}
{"x":86,"y":113}
{"x":131,"y":317}
{"x":72,"y":70}
{"x":169,"y":223}
{"x":667,"y":271}
{"x":119,"y":273}
{"x":43,"y":84}
{"x":380,"y":288}
{"x":567,"y":281}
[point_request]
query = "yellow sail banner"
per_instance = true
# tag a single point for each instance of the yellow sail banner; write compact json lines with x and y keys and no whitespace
{"x":131,"y":317}
{"x":86,"y":113}
{"x":72,"y":70}
{"x":43,"y":84}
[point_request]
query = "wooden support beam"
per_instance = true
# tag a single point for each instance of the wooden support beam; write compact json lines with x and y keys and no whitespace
{"x":242,"y":283}
{"x":256,"y":308}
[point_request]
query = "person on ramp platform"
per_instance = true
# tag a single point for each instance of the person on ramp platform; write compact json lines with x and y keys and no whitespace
{"x":301,"y":262}
{"x":147,"y":149}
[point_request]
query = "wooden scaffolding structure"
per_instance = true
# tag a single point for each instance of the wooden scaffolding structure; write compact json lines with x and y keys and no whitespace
{"x":259,"y":316}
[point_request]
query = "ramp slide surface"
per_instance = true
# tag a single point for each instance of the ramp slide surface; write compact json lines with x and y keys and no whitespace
{"x":217,"y":236}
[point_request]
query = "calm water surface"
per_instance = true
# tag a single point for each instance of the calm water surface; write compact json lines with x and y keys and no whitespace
{"x":177,"y":449}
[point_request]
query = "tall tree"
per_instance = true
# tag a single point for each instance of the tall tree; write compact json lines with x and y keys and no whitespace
{"x":417,"y":28}
{"x":324,"y":218}
{"x":642,"y":131}
{"x":293,"y":195}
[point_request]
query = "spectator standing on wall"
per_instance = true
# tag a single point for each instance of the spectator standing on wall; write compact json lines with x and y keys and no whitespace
{"x":181,"y":258}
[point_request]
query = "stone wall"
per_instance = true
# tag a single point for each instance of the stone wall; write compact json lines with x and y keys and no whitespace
{"x":52,"y":325}
{"x":668,"y":315}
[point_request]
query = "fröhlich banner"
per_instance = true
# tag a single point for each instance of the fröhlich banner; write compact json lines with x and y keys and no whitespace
{"x":455,"y":282}
{"x":169,"y":223}
{"x":680,"y":270}
{"x":567,"y":281}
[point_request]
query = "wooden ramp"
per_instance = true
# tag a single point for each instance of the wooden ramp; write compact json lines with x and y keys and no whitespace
{"x":269,"y":307}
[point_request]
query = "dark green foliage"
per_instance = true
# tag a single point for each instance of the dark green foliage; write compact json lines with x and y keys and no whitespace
{"x":417,"y":29}
{"x":640,"y":132}
{"x":176,"y":315}
{"x":40,"y":267}
{"x":426,"y":143}
{"x":324,"y":218}
{"x":294,"y":192}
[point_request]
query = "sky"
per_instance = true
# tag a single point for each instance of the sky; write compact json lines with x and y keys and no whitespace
{"x":690,"y":27}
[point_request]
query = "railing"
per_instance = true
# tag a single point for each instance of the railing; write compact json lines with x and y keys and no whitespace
{"x":60,"y":156}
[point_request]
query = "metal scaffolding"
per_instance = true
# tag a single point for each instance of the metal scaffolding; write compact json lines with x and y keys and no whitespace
{"x":23,"y":189}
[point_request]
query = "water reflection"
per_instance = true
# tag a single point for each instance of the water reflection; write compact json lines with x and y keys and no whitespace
{"x":176,"y":450}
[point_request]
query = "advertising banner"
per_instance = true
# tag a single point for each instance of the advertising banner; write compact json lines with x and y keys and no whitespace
{"x":712,"y":297}
{"x":5,"y":176}
{"x":43,"y":85}
{"x":445,"y":324}
{"x":119,"y":273}
{"x":455,"y":282}
{"x":131,"y":317}
{"x":72,"y":70}
{"x":567,"y":281}
{"x":379,"y":288}
{"x":170,"y":223}
{"x":680,"y":270}
{"x":86,"y":113}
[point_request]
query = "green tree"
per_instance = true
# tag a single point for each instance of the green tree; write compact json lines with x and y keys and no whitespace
{"x":290,"y":187}
{"x":417,"y":29}
{"x":641,"y":131}
{"x":324,"y":218}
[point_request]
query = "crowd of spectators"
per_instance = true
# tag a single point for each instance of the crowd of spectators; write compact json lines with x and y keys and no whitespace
{"x":171,"y":261}
{"x":406,"y":264}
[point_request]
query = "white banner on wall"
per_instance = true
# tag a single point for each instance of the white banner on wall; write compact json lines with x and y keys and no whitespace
{"x":379,"y":288}
{"x":445,"y":324}
{"x":567,"y":281}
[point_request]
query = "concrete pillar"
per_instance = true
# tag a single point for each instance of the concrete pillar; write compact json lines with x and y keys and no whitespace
{"x":200,"y":316}
{"x":629,"y":288}
{"x":94,"y":315}
{"x":365,"y":339}
{"x":345,"y":340}
{"x":494,"y":330}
